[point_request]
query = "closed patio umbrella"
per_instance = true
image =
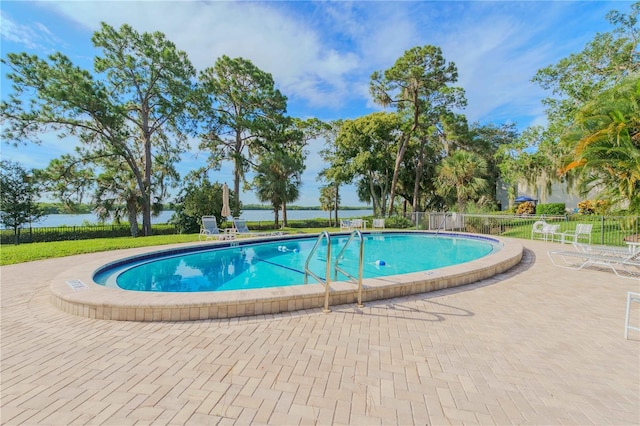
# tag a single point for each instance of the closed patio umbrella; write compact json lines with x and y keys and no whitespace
{"x":226,"y":211}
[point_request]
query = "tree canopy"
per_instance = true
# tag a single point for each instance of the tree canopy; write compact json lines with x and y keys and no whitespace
{"x":244,"y":111}
{"x":583,"y":110}
{"x":134,"y":108}
{"x":418,"y":86}
{"x":18,"y":196}
{"x":605,"y":143}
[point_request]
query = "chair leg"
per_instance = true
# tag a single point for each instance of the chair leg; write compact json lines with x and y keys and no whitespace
{"x":631,"y":297}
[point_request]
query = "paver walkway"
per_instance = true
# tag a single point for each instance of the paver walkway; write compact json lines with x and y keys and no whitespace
{"x":537,"y":345}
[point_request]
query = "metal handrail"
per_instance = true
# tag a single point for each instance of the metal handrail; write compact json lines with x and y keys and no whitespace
{"x":307,"y":271}
{"x":444,"y":221}
{"x":358,"y":279}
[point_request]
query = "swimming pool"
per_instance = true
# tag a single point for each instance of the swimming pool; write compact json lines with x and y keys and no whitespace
{"x":282,"y":263}
{"x":74,"y":291}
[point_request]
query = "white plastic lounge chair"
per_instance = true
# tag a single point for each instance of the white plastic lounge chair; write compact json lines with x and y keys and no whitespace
{"x":623,"y":265}
{"x":357,"y":223}
{"x":583,"y":230}
{"x":544,"y":231}
{"x":210,"y":231}
{"x":598,"y":249}
{"x":377,"y":223}
{"x":241,"y":228}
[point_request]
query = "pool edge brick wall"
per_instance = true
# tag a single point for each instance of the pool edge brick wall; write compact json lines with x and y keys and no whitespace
{"x":102,"y":303}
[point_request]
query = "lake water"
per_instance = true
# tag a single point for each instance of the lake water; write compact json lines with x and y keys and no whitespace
{"x":250,"y":215}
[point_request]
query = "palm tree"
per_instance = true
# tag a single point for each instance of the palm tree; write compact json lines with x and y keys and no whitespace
{"x":118,"y":197}
{"x":278,"y":179}
{"x":606,"y":144}
{"x":327,"y":200}
{"x":463,"y":174}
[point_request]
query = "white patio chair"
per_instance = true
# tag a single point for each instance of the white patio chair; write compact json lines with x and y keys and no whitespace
{"x":356,"y":223}
{"x":537,"y":229}
{"x":345,"y":225}
{"x":544,"y":231}
{"x":583,"y":230}
{"x":377,"y":223}
{"x":631,"y":297}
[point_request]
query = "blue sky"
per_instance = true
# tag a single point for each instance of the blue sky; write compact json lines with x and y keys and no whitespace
{"x":321,"y":54}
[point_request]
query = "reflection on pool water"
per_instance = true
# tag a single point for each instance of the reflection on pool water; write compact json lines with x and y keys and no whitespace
{"x":264,"y":264}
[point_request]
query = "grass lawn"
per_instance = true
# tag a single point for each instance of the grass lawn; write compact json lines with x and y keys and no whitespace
{"x":11,"y":254}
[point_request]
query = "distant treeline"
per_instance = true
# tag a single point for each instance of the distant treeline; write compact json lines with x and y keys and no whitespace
{"x":267,"y":207}
{"x":60,"y":208}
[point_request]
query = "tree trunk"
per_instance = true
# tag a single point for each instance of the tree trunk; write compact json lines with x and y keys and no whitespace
{"x":146,"y":215}
{"x":402,"y":149}
{"x":374,"y":197}
{"x":237,"y":165}
{"x":336,"y":203}
{"x":133,"y":218}
{"x":276,"y":219}
{"x":146,"y":193}
{"x":383,"y":198}
{"x":416,"y":188}
{"x":284,"y":214}
{"x":236,"y":190}
{"x":396,"y":171}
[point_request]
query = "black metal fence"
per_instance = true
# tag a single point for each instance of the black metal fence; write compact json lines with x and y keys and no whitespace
{"x":85,"y":232}
{"x":607,"y":230}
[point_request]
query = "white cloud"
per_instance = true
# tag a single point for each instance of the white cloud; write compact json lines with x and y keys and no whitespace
{"x":49,"y":147}
{"x":36,"y":36}
{"x":494,"y":68}
{"x":275,"y":41}
{"x":499,"y":48}
{"x":322,"y":54}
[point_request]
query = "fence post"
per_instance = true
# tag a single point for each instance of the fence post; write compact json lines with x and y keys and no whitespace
{"x":601,"y":229}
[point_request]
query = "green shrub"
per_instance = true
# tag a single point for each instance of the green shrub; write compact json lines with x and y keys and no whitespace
{"x":308,"y":223}
{"x":85,"y":232}
{"x":399,"y":222}
{"x":553,"y":209}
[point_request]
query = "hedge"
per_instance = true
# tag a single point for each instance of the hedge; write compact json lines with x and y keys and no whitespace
{"x":86,"y":232}
{"x":553,"y":209}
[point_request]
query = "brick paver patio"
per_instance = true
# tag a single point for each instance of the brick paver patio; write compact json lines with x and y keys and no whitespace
{"x":537,"y":345}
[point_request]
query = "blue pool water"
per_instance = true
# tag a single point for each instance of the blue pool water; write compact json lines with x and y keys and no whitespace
{"x":281,"y":263}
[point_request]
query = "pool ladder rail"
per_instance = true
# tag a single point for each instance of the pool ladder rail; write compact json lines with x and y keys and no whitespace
{"x":358,"y":280}
{"x":443,"y":224}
